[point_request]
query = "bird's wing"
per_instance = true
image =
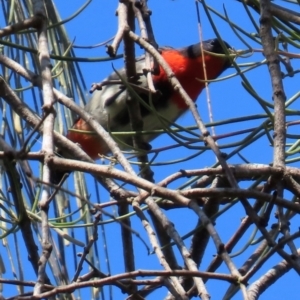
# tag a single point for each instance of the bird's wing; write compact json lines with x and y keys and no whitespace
{"x":108,"y":105}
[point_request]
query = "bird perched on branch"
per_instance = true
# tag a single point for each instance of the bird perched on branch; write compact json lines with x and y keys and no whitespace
{"x":108,"y":105}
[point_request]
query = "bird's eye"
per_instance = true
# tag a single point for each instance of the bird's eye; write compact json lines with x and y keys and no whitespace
{"x":214,"y":42}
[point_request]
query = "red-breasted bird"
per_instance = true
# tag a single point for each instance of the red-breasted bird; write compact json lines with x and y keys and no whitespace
{"x":108,"y":105}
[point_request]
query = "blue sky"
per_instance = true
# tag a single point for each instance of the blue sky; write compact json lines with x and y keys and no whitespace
{"x":175,"y":24}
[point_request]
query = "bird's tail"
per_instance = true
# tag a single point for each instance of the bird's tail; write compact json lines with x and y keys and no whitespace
{"x":58,"y":175}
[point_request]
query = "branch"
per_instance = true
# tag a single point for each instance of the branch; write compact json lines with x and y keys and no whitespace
{"x":47,"y":143}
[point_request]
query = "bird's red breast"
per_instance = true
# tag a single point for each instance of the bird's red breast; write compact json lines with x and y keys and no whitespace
{"x":108,"y":105}
{"x":187,"y":70}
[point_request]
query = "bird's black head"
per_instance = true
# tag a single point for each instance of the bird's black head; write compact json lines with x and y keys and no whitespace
{"x":215,"y":46}
{"x":212,"y":45}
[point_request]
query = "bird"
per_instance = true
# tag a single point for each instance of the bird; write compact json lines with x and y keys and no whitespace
{"x":108,"y":105}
